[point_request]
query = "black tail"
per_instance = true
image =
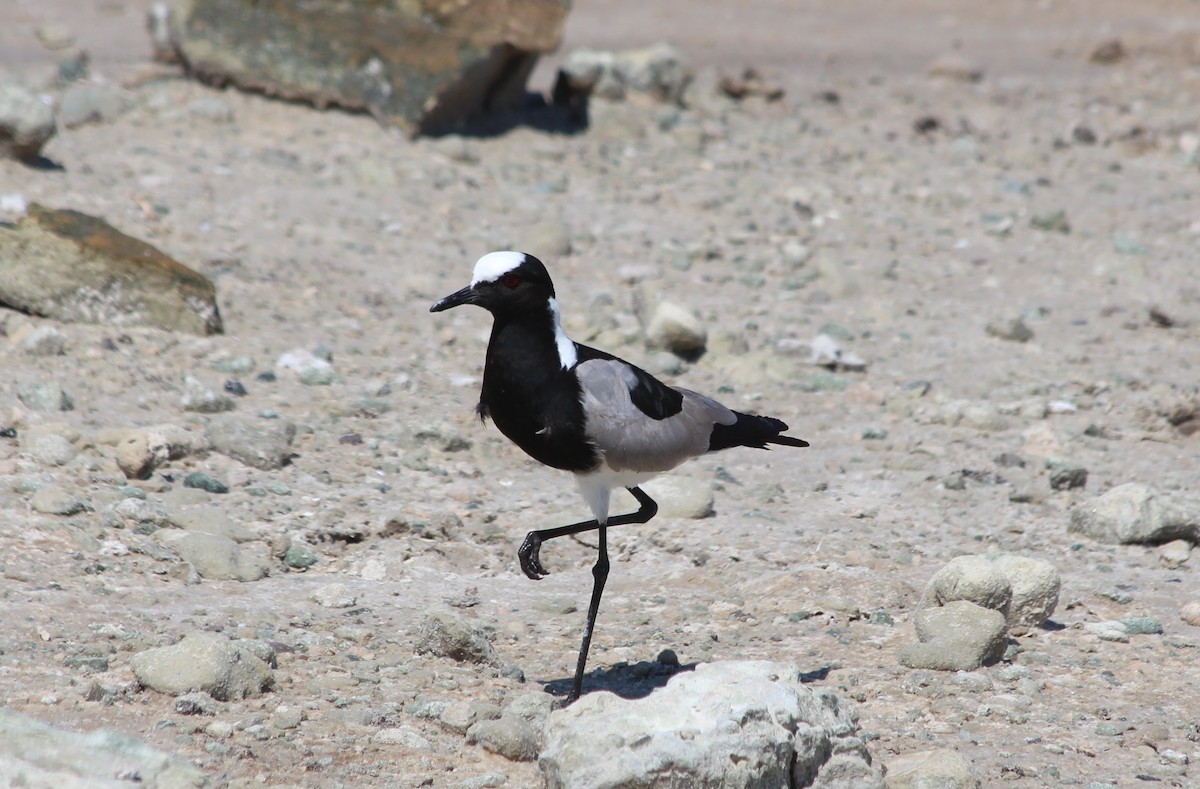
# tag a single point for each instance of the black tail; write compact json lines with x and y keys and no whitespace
{"x":752,"y":431}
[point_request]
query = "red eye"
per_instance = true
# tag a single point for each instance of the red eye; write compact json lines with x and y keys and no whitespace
{"x":510,"y":281}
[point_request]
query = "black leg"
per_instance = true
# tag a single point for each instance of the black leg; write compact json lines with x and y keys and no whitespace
{"x":599,"y":576}
{"x":530,"y":549}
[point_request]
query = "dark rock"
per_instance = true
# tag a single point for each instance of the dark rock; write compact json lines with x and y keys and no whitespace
{"x":426,"y":66}
{"x":73,"y":267}
{"x":1068,"y":477}
{"x":202,"y":481}
{"x":447,"y":635}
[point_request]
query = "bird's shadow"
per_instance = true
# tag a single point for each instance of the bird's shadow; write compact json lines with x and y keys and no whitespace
{"x":639,"y":680}
{"x":629,"y":681}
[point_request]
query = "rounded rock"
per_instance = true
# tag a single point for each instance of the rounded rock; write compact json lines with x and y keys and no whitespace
{"x":509,"y":736}
{"x":1035,"y":588}
{"x":26,"y":122}
{"x":51,"y":450}
{"x":970,"y":578}
{"x":676,"y":329}
{"x":209,"y":662}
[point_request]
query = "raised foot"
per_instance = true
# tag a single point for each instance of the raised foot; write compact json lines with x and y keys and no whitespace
{"x":528,"y":554}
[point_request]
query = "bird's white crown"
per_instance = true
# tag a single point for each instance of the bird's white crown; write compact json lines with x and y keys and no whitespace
{"x":495,"y":265}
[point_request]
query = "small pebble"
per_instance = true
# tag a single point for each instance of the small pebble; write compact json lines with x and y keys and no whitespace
{"x":1068,"y":477}
{"x":299,"y":557}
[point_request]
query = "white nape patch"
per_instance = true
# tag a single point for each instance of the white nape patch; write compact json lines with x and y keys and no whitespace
{"x":495,"y":265}
{"x":566,"y":349}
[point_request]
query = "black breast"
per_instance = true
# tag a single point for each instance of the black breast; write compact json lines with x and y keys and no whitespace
{"x":533,"y":401}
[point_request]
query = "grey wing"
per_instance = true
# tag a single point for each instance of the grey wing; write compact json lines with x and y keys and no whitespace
{"x":629,"y":439}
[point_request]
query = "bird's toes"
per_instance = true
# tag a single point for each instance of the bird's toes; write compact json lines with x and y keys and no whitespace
{"x":532,"y":567}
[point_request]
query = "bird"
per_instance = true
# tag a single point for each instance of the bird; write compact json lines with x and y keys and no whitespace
{"x":580,"y":409}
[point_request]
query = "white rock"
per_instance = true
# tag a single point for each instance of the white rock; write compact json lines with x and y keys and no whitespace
{"x":727,"y":724}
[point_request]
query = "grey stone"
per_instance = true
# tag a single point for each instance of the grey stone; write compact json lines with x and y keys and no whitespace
{"x":931,"y":770}
{"x":265,"y":444}
{"x":1142,"y":625}
{"x":445,"y":634}
{"x":202,"y":481}
{"x":76,"y":268}
{"x":953,"y":66}
{"x":26,"y":122}
{"x":1174,"y":554}
{"x":971,"y":578}
{"x":825,"y":351}
{"x":509,"y":736}
{"x":138,"y":515}
{"x":1052,"y":222}
{"x":202,"y":399}
{"x":202,"y":517}
{"x":658,"y":72}
{"x":224,"y":669}
{"x":438,"y":435}
{"x":423,"y":65}
{"x":42,"y":397}
{"x":959,"y":636}
{"x":1068,"y":476}
{"x":85,"y":102}
{"x":54,"y":501}
{"x":681,"y":497}
{"x":215,"y":557}
{"x":34,"y":754}
{"x":299,"y":557}
{"x":335,"y":595}
{"x":1135,"y":513}
{"x":534,"y":708}
{"x":405,"y":736}
{"x":675,"y":329}
{"x":1108,"y":630}
{"x":51,"y":450}
{"x":44,"y":341}
{"x":727,"y":724}
{"x":1035,"y":588}
{"x":1010,"y":328}
{"x":460,"y":716}
{"x":143,"y":450}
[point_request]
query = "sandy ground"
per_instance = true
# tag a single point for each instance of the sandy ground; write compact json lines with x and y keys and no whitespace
{"x":323,"y":229}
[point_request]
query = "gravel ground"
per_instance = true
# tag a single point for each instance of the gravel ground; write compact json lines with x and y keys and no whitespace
{"x":899,"y":212}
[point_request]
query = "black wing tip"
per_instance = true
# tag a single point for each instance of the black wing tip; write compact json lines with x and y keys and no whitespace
{"x":754,"y":431}
{"x":788,"y":441}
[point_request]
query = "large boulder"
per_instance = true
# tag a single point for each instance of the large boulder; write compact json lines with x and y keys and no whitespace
{"x":1133,"y":514}
{"x":36,"y":754}
{"x":728,"y":724}
{"x":425,"y":65}
{"x":76,"y":268}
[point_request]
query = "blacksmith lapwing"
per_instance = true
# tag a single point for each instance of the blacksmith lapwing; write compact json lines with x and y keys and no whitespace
{"x":579,"y":409}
